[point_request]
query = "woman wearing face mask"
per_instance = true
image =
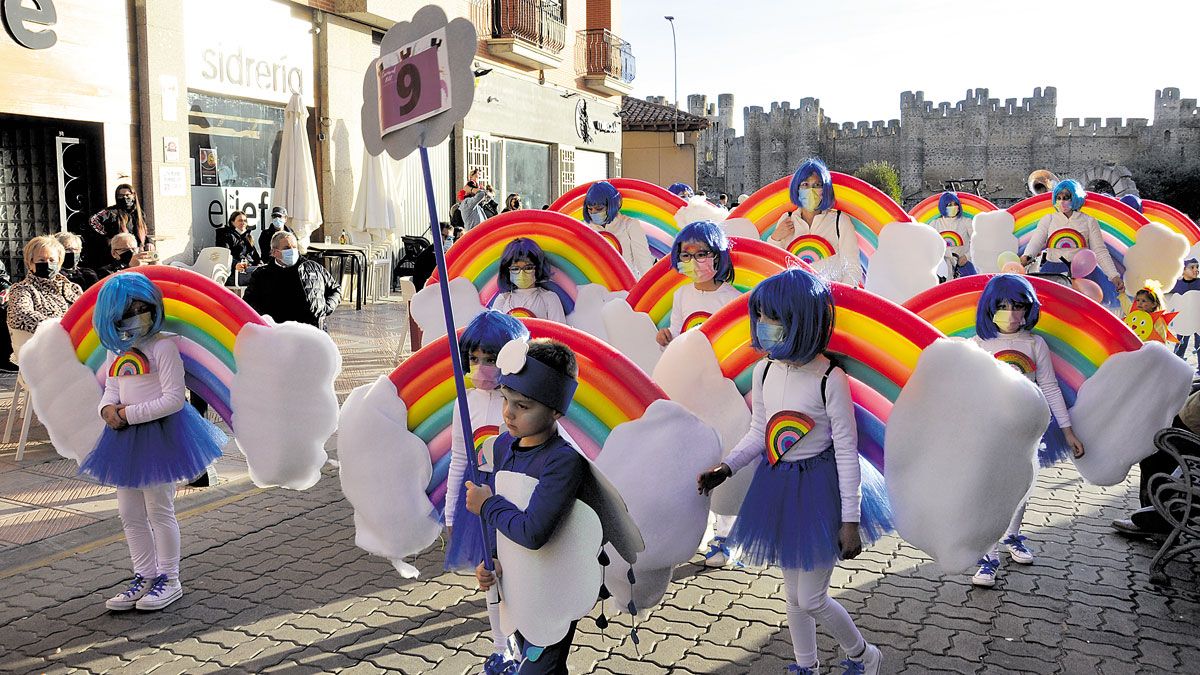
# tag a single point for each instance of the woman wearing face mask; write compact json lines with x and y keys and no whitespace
{"x":701,"y":253}
{"x":84,"y":277}
{"x":152,"y":439}
{"x":955,"y":229}
{"x":124,"y":215}
{"x":1066,"y":231}
{"x":812,"y":192}
{"x":525,"y":286}
{"x":1004,"y":320}
{"x":512,"y":203}
{"x":602,"y":212}
{"x":44,"y":293}
{"x":235,"y":236}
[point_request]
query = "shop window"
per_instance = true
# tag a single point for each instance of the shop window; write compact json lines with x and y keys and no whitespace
{"x":527,"y":172}
{"x":479,"y":156}
{"x":245,"y":136}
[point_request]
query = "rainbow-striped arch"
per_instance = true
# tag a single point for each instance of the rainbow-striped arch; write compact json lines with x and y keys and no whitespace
{"x":972,"y":205}
{"x":641,"y":200}
{"x":1118,"y":222}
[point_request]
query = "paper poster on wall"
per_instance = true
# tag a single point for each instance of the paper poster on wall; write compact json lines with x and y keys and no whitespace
{"x":170,"y":148}
{"x":169,"y":90}
{"x":208,"y":166}
{"x":171,"y":181}
{"x":414,"y":82}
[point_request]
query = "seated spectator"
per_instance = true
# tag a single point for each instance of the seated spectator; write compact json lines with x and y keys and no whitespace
{"x":235,"y":237}
{"x":291,"y":288}
{"x":6,"y":363}
{"x":124,"y":215}
{"x":72,"y":268}
{"x":125,"y":255}
{"x":44,"y":293}
{"x":278,"y":224}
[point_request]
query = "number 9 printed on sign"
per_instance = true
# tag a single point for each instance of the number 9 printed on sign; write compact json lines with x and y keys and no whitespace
{"x":413,"y":83}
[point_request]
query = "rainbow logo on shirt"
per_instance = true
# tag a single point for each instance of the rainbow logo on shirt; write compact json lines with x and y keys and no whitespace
{"x":695,"y":319}
{"x":952,"y":238}
{"x":612,"y":239}
{"x":810,"y":248}
{"x":784,"y":430}
{"x":1018,"y":360}
{"x":521,"y":313}
{"x":482,"y":434}
{"x":1067,"y":238}
{"x":132,"y":362}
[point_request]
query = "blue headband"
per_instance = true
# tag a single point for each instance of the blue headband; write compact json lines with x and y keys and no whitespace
{"x":528,"y":376}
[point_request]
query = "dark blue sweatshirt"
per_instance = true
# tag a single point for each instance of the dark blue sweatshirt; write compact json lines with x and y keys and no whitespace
{"x":559,"y":469}
{"x":1184,"y":286}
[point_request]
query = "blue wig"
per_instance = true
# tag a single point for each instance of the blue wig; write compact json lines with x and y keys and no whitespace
{"x":489,"y":331}
{"x":117,"y":293}
{"x":1005,"y":287}
{"x":522,"y":248}
{"x":682,"y":190}
{"x":602,"y":192}
{"x":710,"y":234}
{"x":1132,"y":201}
{"x":1077,"y":194}
{"x":946,"y":200}
{"x":803,"y":303}
{"x":809,"y":167}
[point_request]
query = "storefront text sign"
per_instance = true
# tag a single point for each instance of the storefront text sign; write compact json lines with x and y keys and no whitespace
{"x":21,"y":20}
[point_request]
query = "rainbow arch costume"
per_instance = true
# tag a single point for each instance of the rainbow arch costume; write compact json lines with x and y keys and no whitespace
{"x":652,"y":205}
{"x":237,"y":361}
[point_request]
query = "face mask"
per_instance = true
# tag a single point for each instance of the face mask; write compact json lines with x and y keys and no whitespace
{"x":277,"y":223}
{"x":126,"y":258}
{"x":289,"y":256}
{"x":485,"y":377}
{"x":770,"y":336}
{"x":810,"y":198}
{"x":522,"y":279}
{"x":70,"y":260}
{"x":44,"y":270}
{"x":1008,"y":320}
{"x":699,"y":271}
{"x":952,"y":211}
{"x":1064,"y":205}
{"x":128,"y":202}
{"x":135,"y":326}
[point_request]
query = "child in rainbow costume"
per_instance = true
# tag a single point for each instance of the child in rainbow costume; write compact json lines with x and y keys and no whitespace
{"x":806,"y":508}
{"x":815,"y":219}
{"x":1007,"y":312}
{"x":701,"y":253}
{"x":1061,"y":234}
{"x":955,"y":229}
{"x":152,"y":439}
{"x":525,"y":286}
{"x":602,"y":212}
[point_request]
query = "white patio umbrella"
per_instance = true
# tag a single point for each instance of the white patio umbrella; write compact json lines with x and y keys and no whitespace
{"x":295,"y":180}
{"x":376,"y":212}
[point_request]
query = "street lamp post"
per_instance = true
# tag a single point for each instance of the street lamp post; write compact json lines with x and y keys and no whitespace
{"x":675,"y":58}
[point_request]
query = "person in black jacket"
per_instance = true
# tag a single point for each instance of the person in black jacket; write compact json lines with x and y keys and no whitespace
{"x":278,"y":224}
{"x":291,"y":288}
{"x":235,"y":237}
{"x":6,"y":363}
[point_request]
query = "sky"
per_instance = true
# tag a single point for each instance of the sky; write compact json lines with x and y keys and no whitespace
{"x":1106,"y":58}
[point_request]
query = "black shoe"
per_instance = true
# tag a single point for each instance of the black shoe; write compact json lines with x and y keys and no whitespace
{"x":1126,"y":526}
{"x":206,"y":479}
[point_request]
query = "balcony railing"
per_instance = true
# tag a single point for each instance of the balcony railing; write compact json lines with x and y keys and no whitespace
{"x":535,"y":22}
{"x":599,"y":52}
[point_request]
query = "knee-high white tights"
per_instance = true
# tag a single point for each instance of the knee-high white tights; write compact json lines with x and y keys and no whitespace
{"x":808,"y":602}
{"x":151,"y":530}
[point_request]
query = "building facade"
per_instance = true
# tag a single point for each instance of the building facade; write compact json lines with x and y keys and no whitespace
{"x":977,"y":138}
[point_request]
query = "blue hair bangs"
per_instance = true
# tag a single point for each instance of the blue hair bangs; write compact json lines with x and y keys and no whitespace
{"x":604,"y":193}
{"x":681,"y":190}
{"x":1000,"y":288}
{"x":946,"y":200}
{"x":710,"y":234}
{"x":489,"y":331}
{"x":803,"y":304}
{"x":1132,"y":201}
{"x":1072,"y":186}
{"x":117,"y":293}
{"x":813,"y":166}
{"x":529,"y":250}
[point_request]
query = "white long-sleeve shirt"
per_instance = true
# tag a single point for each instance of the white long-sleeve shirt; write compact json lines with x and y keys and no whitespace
{"x":1080,"y":223}
{"x":487,"y":409}
{"x":959,"y":226}
{"x":631,"y":240}
{"x":540,"y":302}
{"x":1025,"y":351}
{"x":692,"y":303}
{"x":154,"y":394}
{"x":797,"y":389}
{"x":837,"y":229}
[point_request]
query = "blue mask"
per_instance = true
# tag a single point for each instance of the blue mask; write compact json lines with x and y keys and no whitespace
{"x":770,"y":336}
{"x":289,"y":256}
{"x":136,"y":326}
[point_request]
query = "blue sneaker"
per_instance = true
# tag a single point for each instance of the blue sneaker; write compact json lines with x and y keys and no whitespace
{"x":867,"y":663}
{"x":127,"y":599}
{"x":496,"y":664}
{"x":718,"y":553}
{"x":986,"y":576}
{"x":1017,"y":550}
{"x":804,"y":670}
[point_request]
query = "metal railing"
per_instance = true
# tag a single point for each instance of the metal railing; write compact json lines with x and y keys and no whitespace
{"x":533,"y":21}
{"x":599,"y":52}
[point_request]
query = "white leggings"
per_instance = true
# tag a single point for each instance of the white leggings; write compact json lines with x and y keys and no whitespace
{"x":1014,"y":527}
{"x":151,"y":529}
{"x":807,"y":599}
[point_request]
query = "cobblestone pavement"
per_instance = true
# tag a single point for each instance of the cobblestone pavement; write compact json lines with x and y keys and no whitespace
{"x":274,"y":584}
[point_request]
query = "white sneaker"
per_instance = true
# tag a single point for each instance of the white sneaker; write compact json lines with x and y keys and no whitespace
{"x":163,"y":592}
{"x":986,"y":576}
{"x":718,"y":553}
{"x":127,"y":599}
{"x":866,"y":664}
{"x":1017,"y":550}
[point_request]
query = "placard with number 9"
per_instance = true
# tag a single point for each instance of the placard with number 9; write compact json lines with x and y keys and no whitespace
{"x":405,"y":78}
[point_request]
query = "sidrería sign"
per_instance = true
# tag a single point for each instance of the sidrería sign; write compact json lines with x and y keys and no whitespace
{"x":19,"y":19}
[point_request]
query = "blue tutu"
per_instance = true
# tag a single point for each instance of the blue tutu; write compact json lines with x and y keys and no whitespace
{"x":792,"y":514}
{"x":1053,"y":448}
{"x":177,"y":447}
{"x":465,"y":550}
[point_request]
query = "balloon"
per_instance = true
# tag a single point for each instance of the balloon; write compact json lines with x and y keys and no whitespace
{"x":1088,"y":287}
{"x":1084,"y":263}
{"x":1007,"y":257}
{"x":1013,"y":268}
